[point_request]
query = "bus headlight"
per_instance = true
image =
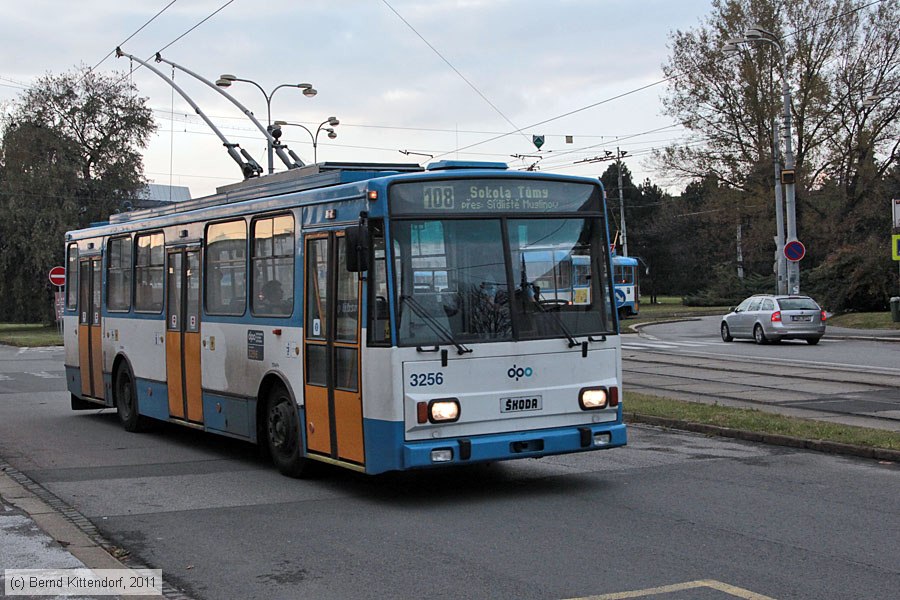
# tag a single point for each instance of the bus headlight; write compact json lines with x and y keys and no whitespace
{"x":443,"y":410}
{"x":596,"y":398}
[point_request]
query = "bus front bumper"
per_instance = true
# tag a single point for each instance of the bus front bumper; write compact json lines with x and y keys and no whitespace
{"x":506,"y":446}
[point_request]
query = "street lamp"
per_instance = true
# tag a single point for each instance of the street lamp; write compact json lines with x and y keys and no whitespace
{"x":225,"y":80}
{"x":784,"y":176}
{"x":333,"y":121}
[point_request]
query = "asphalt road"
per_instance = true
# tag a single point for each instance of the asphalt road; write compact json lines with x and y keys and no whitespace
{"x":850,"y":381}
{"x":714,"y":518}
{"x":700,"y":337}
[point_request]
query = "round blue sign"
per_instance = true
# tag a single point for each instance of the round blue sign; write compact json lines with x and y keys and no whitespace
{"x":794,"y":250}
{"x":620,"y":297}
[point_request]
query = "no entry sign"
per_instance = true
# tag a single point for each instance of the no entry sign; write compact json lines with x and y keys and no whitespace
{"x":58,"y":276}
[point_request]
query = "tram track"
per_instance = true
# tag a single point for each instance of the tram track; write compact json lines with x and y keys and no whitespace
{"x":804,"y":386}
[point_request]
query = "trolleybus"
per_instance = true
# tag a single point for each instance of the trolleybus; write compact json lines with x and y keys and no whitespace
{"x":375,"y":317}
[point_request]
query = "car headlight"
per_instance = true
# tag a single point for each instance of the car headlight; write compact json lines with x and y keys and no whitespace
{"x":596,"y":398}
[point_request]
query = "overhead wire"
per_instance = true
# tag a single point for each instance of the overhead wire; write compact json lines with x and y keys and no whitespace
{"x":649,"y":85}
{"x":449,"y":64}
{"x":137,"y":31}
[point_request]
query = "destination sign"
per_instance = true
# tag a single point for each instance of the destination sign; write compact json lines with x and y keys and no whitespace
{"x":493,"y":196}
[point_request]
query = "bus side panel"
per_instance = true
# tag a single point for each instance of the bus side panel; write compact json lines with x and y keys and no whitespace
{"x":233,"y":365}
{"x":384,"y":445}
{"x":382,"y":411}
{"x":152,"y":398}
{"x":73,"y":379}
{"x":70,"y":342}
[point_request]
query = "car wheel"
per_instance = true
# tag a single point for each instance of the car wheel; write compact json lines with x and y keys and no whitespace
{"x":126,"y":399}
{"x":283,"y":434}
{"x":759,"y":335}
{"x":726,"y":335}
{"x":813,"y":341}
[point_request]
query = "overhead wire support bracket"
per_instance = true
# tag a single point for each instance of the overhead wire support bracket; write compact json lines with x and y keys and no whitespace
{"x":291,"y":162}
{"x":249,"y":167}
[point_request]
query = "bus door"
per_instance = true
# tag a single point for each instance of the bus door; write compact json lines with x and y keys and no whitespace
{"x":90,"y":349}
{"x":183,"y":334}
{"x":332,"y":351}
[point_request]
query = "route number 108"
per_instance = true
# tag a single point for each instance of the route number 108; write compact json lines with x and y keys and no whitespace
{"x":438,"y":197}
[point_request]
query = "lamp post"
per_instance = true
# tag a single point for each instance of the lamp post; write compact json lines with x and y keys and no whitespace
{"x":333,"y":121}
{"x":309,"y":91}
{"x":785,"y":176}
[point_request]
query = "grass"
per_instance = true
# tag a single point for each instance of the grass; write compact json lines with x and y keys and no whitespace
{"x":864,"y":320}
{"x":670,"y":307}
{"x":759,"y":421}
{"x":29,"y":334}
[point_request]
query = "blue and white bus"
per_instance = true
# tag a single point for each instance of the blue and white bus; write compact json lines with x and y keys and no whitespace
{"x":375,"y":317}
{"x":627,"y":288}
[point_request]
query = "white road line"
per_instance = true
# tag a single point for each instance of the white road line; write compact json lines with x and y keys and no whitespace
{"x":45,"y":375}
{"x":649,"y":346}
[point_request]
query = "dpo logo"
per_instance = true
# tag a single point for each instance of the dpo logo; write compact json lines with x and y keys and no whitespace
{"x":518,"y":372}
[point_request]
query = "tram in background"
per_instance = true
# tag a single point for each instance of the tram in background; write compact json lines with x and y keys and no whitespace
{"x":375,"y":317}
{"x":627,"y":286}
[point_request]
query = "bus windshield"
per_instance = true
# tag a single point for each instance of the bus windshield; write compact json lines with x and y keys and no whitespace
{"x":499,"y":279}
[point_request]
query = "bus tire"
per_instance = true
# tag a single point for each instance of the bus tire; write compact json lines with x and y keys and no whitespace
{"x":283,"y":434}
{"x":125,"y":395}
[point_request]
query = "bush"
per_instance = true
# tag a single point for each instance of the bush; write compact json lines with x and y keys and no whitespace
{"x":726,"y":289}
{"x":858,"y":277}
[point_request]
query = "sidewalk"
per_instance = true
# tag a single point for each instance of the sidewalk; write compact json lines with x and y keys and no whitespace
{"x":36,"y":534}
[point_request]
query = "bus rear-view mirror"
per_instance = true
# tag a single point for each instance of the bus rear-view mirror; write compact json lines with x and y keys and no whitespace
{"x":357,"y":248}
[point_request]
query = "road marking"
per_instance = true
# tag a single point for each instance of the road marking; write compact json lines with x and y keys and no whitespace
{"x":648,"y":346}
{"x":5,"y":378}
{"x":680,"y":587}
{"x":45,"y":375}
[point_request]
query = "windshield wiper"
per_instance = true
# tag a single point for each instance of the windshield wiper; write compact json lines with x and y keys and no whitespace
{"x":556,"y":318}
{"x":433,"y":323}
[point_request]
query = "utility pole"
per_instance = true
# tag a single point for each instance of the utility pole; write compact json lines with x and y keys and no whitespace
{"x":780,"y":260}
{"x":621,"y":203}
{"x":618,"y":158}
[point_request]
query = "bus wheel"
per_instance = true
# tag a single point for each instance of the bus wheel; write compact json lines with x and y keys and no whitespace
{"x":127,"y":402}
{"x":283,"y":434}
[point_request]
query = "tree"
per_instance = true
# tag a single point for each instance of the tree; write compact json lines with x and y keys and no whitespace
{"x":69,"y":155}
{"x":837,"y":54}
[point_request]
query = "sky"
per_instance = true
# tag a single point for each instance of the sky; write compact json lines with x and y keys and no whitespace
{"x":454,"y":79}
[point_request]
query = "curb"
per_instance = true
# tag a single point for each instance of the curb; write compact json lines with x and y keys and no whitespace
{"x":636,"y":328}
{"x":65,"y":526}
{"x":768,"y":438}
{"x":68,"y":527}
